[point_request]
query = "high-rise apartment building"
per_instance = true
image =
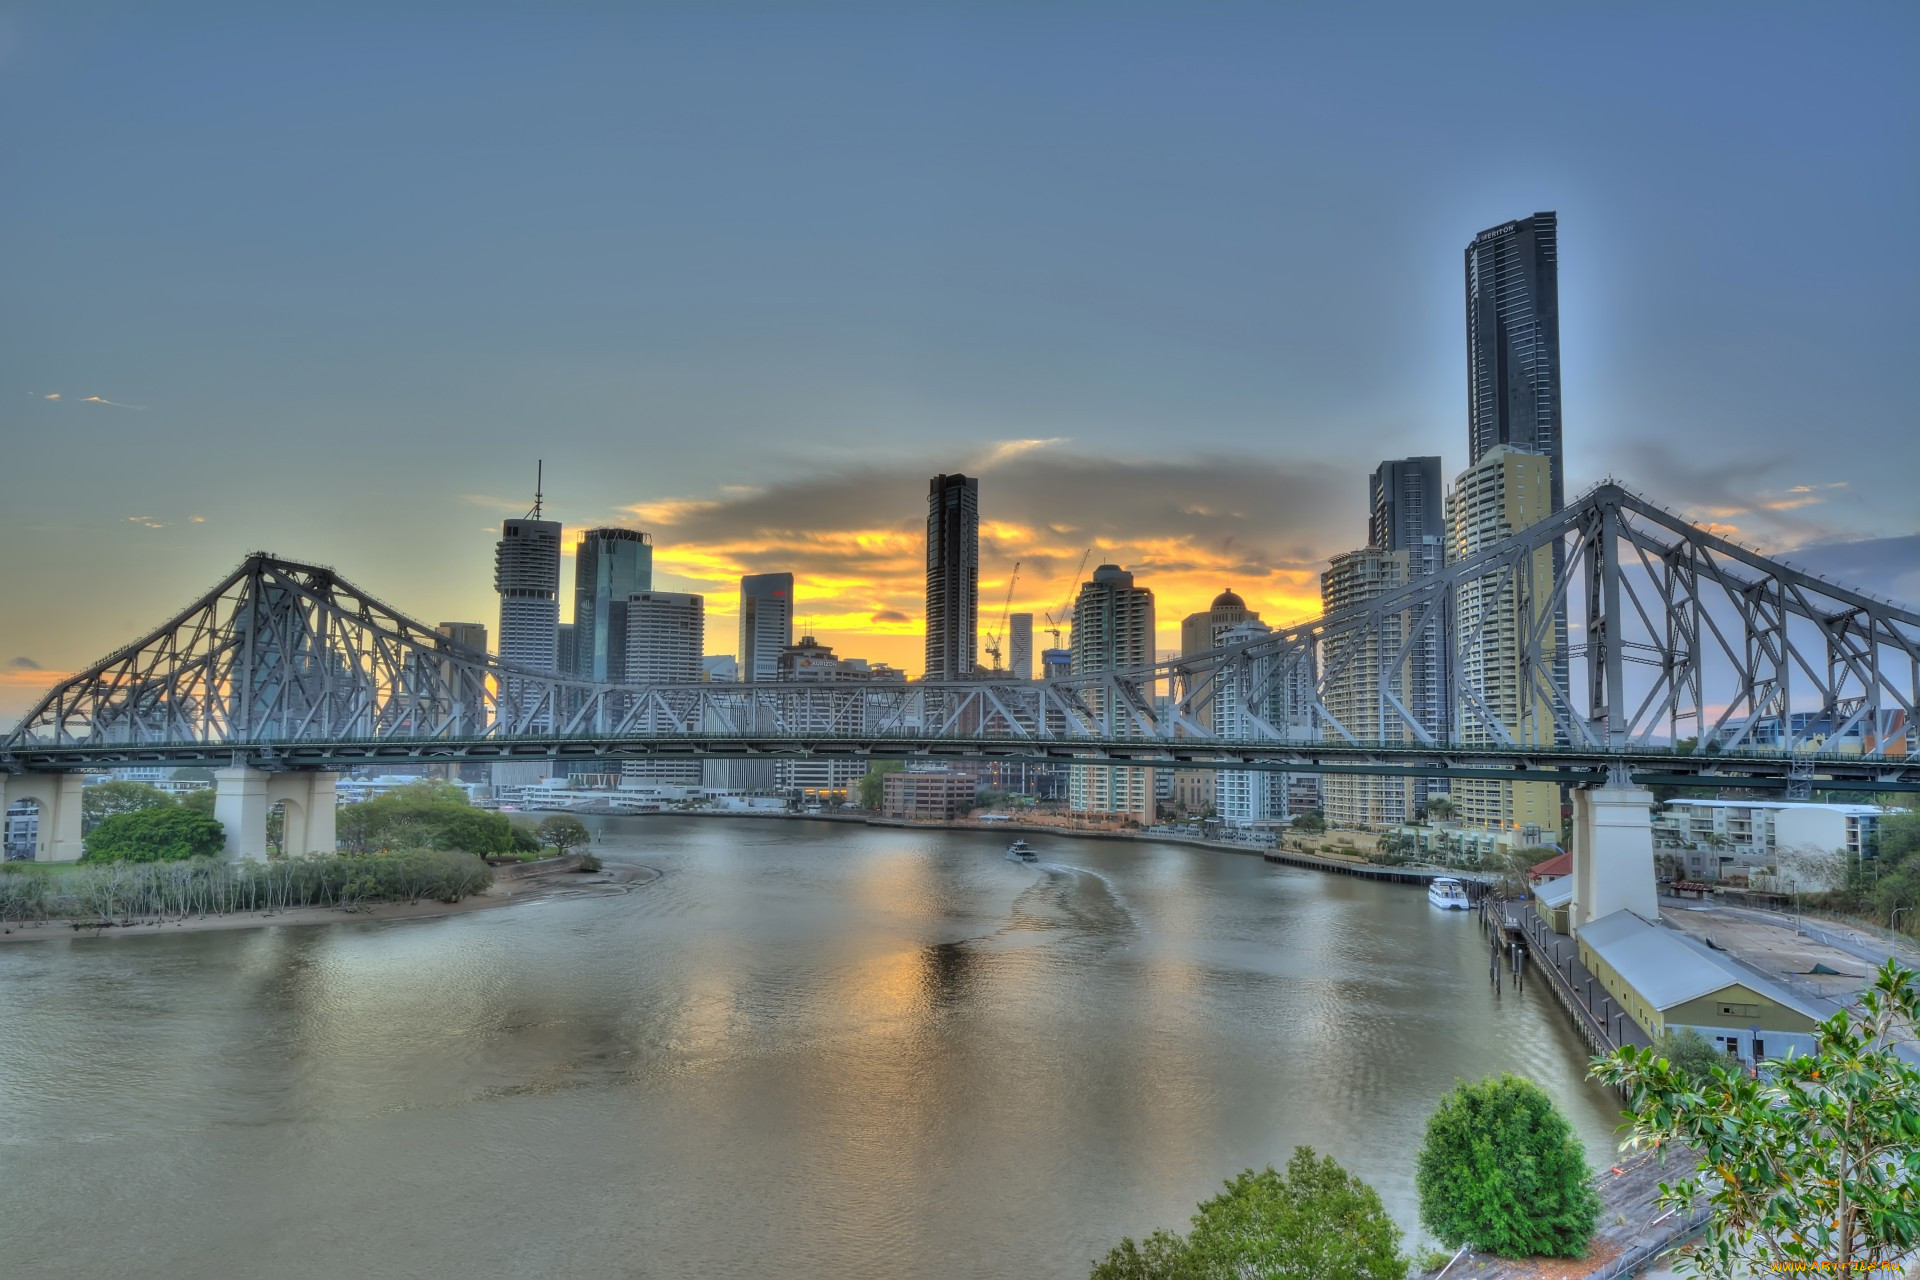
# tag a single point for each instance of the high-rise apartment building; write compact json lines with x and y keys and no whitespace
{"x":1112,"y":631}
{"x":1020,"y":646}
{"x":1353,"y":662}
{"x":953,"y":575}
{"x":526,"y":574}
{"x":666,"y":639}
{"x":466,"y":685}
{"x":610,"y":567}
{"x":1242,"y":691}
{"x":766,"y":624}
{"x":1506,"y":491}
{"x":1200,"y":633}
{"x":1407,"y":512}
{"x":1513,"y":343}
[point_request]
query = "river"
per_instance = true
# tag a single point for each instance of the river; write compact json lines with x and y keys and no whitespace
{"x":806,"y":1050}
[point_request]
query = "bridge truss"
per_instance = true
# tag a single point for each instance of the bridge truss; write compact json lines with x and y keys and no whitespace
{"x":1656,"y":633}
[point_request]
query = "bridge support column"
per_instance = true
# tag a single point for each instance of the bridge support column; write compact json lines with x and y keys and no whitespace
{"x":1612,"y":854}
{"x":306,"y":803}
{"x":240,"y":804}
{"x":58,"y":797}
{"x":322,"y":800}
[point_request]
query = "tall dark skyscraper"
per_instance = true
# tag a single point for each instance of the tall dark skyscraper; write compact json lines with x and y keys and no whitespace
{"x":1513,"y":341}
{"x":953,"y":575}
{"x":609,"y":566}
{"x":1406,"y":501}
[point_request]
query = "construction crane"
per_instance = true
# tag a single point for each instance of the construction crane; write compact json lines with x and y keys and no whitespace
{"x":994,"y":636}
{"x":1066,"y":610}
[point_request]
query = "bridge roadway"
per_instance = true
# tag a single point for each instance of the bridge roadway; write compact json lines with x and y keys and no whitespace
{"x":1577,"y":766}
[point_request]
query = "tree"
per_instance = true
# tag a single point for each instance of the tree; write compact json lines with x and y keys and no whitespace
{"x":1809,"y":1164}
{"x":872,"y":784}
{"x":1501,"y":1170}
{"x":105,"y":799}
{"x":200,"y":801}
{"x":194,"y":773}
{"x":1316,"y":1221}
{"x":1439,"y":808}
{"x":1690,"y":1054}
{"x":155,"y":835}
{"x":1313,"y":822}
{"x":471,"y":830}
{"x":563,"y":831}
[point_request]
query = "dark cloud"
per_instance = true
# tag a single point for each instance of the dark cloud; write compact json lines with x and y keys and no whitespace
{"x":24,"y":664}
{"x":1882,"y":566}
{"x":890,"y":615}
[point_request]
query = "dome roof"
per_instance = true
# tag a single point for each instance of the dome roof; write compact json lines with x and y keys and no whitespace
{"x":1228,"y":600}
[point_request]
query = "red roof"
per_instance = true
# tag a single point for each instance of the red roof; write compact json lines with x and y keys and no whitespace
{"x":1560,"y":864}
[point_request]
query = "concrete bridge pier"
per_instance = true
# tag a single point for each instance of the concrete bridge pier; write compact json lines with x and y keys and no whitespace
{"x":1612,"y":854}
{"x":58,"y":796}
{"x":243,"y":797}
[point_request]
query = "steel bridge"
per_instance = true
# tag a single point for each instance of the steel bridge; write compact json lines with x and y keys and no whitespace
{"x":1768,"y":676}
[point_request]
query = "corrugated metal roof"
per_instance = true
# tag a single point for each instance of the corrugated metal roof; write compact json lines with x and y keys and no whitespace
{"x":1654,"y":961}
{"x":1555,"y":893}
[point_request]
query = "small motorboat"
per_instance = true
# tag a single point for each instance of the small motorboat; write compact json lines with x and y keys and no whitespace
{"x":1021,"y":851}
{"x":1448,"y":894}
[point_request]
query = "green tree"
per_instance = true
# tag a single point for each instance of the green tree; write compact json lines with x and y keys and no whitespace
{"x":200,"y":801}
{"x":1813,"y":1160}
{"x":193,"y":773}
{"x":872,"y":784}
{"x":104,"y":800}
{"x":1690,"y":1054}
{"x":1316,"y":1221}
{"x":1439,"y":808}
{"x":563,"y":831}
{"x":472,"y":830}
{"x":170,"y":834}
{"x":1501,"y":1170}
{"x":1313,"y":822}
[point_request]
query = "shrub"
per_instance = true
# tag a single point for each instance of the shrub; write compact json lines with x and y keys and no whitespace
{"x":168,"y":834}
{"x":1315,"y":1220}
{"x":1502,"y":1170}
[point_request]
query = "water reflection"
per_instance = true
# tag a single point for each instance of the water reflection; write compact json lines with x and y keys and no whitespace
{"x":806,"y":1050}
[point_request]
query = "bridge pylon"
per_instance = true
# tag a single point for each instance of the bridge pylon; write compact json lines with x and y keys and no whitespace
{"x":58,"y":797}
{"x":243,"y":796}
{"x":1613,"y":853}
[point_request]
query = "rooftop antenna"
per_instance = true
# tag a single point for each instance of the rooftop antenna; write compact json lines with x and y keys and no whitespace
{"x":539,"y":476}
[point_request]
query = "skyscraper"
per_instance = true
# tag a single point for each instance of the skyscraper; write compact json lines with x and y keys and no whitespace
{"x":526,"y":573}
{"x":1020,"y":646}
{"x":1200,"y":633}
{"x":666,"y":639}
{"x":1513,"y":342}
{"x":953,"y":575}
{"x":1112,"y":630}
{"x":1407,"y":516}
{"x":766,"y":624}
{"x":1507,"y":490}
{"x":1406,"y":504}
{"x":1356,"y":662}
{"x":609,"y":567}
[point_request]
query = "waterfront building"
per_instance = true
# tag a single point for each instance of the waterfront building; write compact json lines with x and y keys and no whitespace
{"x":1513,"y":343}
{"x":610,"y":567}
{"x":766,"y":623}
{"x":1406,"y":501}
{"x":666,"y":639}
{"x":953,"y":575}
{"x":1195,"y":789}
{"x":930,"y":795}
{"x":1244,"y":796}
{"x":1804,"y":842}
{"x":1661,"y":980}
{"x":822,"y":779}
{"x":1355,"y":662}
{"x":526,"y":574}
{"x":1507,"y":490}
{"x":1020,"y":646}
{"x":1112,"y":631}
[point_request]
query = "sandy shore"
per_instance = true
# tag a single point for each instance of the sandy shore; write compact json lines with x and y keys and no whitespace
{"x":615,"y":879}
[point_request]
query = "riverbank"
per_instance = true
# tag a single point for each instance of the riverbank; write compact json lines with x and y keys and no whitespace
{"x":522,"y":886}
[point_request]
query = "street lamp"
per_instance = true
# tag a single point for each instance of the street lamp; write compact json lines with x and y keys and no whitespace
{"x":1893,"y":921}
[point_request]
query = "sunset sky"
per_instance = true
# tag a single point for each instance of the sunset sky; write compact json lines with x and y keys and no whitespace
{"x":326,"y":280}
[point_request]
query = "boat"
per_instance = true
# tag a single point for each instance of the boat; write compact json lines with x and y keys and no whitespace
{"x":1447,"y":893}
{"x":1021,"y":851}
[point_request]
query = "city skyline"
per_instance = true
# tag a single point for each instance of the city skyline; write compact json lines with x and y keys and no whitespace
{"x":1194,"y":379}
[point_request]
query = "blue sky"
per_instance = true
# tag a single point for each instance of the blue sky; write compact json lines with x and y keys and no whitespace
{"x":745,"y":274}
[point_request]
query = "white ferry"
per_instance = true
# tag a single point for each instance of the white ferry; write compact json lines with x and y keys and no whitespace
{"x":1021,"y":851}
{"x":1448,"y":894}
